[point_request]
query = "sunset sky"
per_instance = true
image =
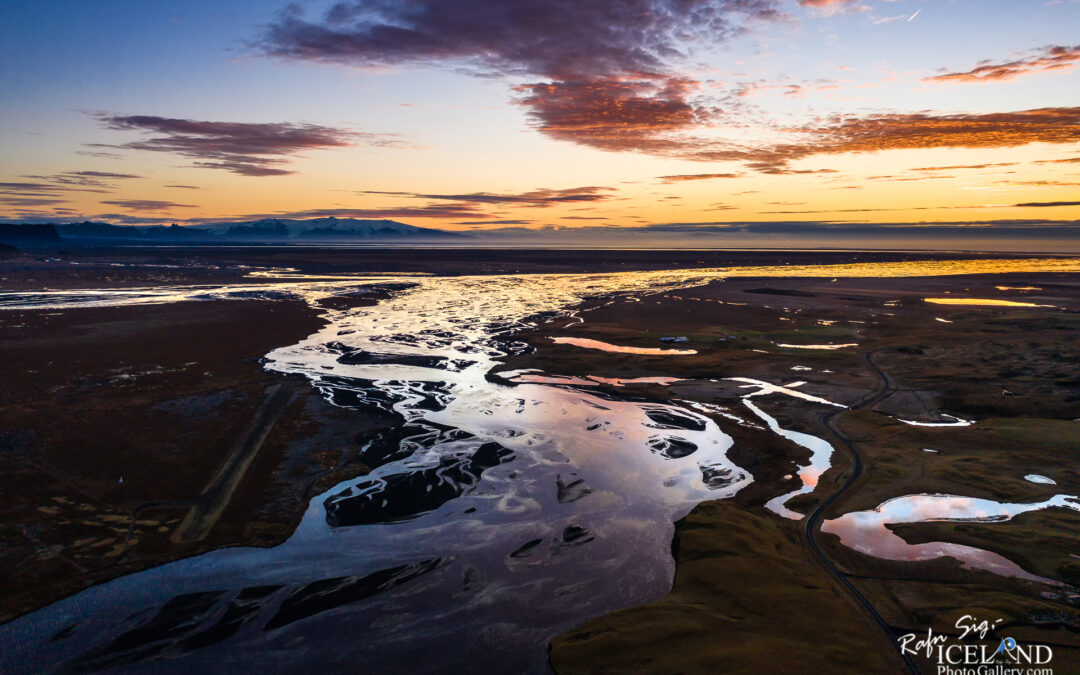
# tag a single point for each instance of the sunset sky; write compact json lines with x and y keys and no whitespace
{"x":813,"y":115}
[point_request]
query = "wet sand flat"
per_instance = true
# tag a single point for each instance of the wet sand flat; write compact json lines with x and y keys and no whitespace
{"x":113,"y":420}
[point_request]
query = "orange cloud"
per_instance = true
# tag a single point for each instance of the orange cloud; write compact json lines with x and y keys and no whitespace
{"x":614,"y":113}
{"x":535,"y":198}
{"x":1051,"y":57}
{"x":680,"y":178}
{"x":896,"y":131}
{"x":656,"y":115}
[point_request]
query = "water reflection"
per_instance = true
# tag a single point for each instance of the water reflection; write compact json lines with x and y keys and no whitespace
{"x":820,"y":461}
{"x":762,"y":388}
{"x":495,"y":516}
{"x":156,"y":295}
{"x":620,"y":349}
{"x":982,"y":301}
{"x":303,"y":283}
{"x":533,"y":376}
{"x":956,"y":422}
{"x":826,"y":346}
{"x":1036,"y":478}
{"x":866,"y":531}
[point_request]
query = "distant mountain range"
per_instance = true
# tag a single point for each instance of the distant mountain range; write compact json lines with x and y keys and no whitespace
{"x":264,"y":231}
{"x":1027,"y":235}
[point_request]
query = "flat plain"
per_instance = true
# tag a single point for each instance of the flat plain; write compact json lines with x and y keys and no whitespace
{"x":117,"y":424}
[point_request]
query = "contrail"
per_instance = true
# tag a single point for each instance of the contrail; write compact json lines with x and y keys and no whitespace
{"x":914,"y":15}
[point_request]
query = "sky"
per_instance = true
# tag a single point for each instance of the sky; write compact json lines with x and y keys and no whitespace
{"x":897,"y":120}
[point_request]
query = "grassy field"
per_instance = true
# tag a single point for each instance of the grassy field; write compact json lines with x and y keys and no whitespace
{"x":745,"y":577}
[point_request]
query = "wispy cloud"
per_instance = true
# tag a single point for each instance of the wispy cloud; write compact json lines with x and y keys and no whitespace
{"x":919,"y":233}
{"x":1047,"y":204}
{"x":660,"y":120}
{"x":438,"y":211}
{"x":147,"y":204}
{"x":682,"y":178}
{"x":828,"y":7}
{"x":31,"y":201}
{"x":899,"y":131}
{"x":964,"y":166}
{"x":248,"y":149}
{"x":39,"y":189}
{"x":99,"y":153}
{"x":609,"y":71}
{"x":101,"y":174}
{"x":559,"y":39}
{"x":55,"y":186}
{"x":930,"y":208}
{"x":96,"y":181}
{"x":1048,"y":58}
{"x":534,"y":198}
{"x":495,"y":222}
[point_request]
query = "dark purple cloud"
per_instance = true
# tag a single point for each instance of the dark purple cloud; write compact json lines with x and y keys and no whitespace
{"x":49,"y":190}
{"x":45,"y":185}
{"x":102,"y":180}
{"x":558,"y":39}
{"x":608,"y":74}
{"x":610,"y":69}
{"x":534,"y":198}
{"x":29,"y":189}
{"x":931,"y":208}
{"x":101,"y":174}
{"x":31,"y":201}
{"x":99,"y":153}
{"x":249,"y":149}
{"x":147,"y":204}
{"x":1047,"y":204}
{"x":447,"y":211}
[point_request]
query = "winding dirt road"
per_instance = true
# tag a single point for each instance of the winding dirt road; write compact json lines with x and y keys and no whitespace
{"x":813,"y":521}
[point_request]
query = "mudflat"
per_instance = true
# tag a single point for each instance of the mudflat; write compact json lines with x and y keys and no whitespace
{"x":115,"y":420}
